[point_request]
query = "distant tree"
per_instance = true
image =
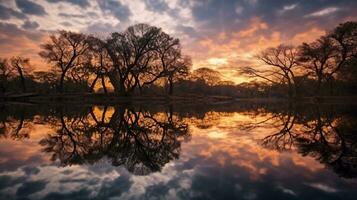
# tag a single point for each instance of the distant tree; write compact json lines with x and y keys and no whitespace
{"x":65,"y":50}
{"x":210,"y":76}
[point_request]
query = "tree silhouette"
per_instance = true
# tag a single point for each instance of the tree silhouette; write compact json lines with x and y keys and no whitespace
{"x":5,"y":72}
{"x":22,"y":66}
{"x":65,"y":51}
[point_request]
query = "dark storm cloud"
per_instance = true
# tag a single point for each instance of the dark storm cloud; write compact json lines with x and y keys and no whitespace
{"x":30,"y":25}
{"x":156,"y":5}
{"x":31,"y":8}
{"x":120,"y":11}
{"x":7,"y":13}
{"x":81,"y":3}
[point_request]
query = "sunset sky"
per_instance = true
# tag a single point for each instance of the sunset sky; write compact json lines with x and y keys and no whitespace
{"x":223,"y":35}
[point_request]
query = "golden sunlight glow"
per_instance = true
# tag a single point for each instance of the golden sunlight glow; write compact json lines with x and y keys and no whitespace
{"x":217,"y":61}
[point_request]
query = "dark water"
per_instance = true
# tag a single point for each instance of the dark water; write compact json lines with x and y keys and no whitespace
{"x":242,"y":151}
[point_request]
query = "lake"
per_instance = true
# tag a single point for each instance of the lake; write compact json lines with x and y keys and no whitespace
{"x":152,"y":151}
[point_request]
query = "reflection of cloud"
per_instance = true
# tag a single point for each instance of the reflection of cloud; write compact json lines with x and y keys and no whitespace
{"x":30,"y":187}
{"x":323,"y":187}
{"x":81,"y":3}
{"x":219,"y":162}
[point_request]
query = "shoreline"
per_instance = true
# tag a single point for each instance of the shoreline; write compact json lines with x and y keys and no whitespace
{"x":87,"y":98}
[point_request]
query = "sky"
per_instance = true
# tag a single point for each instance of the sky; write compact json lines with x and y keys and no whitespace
{"x":220,"y":34}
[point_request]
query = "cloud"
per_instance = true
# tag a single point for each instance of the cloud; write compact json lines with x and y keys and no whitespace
{"x":228,"y":24}
{"x":30,"y":187}
{"x":307,"y":36}
{"x":66,"y":15}
{"x":323,"y":12}
{"x":323,"y":187}
{"x":30,"y":25}
{"x":10,"y":181}
{"x":16,"y":41}
{"x":81,"y":3}
{"x":7,"y":13}
{"x":30,"y":7}
{"x":290,"y":7}
{"x":156,"y":5}
{"x":120,"y":11}
{"x":81,"y":194}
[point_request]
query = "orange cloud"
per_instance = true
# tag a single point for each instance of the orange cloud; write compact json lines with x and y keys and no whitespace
{"x":255,"y":25}
{"x":307,"y":36}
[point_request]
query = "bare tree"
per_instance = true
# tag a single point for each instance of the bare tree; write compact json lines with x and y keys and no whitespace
{"x":22,"y":67}
{"x":65,"y":50}
{"x":100,"y":61}
{"x":6,"y":71}
{"x":283,"y":60}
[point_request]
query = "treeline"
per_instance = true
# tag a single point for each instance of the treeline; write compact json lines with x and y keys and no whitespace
{"x":144,"y":60}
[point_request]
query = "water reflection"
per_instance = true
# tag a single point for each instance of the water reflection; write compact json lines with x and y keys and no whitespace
{"x":239,"y":151}
{"x":330,"y":138}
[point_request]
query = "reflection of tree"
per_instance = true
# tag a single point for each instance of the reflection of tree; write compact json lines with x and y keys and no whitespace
{"x":139,"y":140}
{"x":331,"y":140}
{"x":13,"y":127}
{"x":284,"y":138}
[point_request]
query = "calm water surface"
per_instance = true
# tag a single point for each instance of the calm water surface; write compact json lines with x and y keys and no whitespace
{"x":238,"y":151}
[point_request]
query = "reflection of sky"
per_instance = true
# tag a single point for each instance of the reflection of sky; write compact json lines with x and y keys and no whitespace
{"x":219,"y":162}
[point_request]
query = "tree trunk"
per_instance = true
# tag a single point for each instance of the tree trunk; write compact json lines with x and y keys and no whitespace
{"x":114,"y":80}
{"x":290,"y":92}
{"x":318,"y":88}
{"x":122,"y":89}
{"x":171,"y":87}
{"x":331,"y":80}
{"x":91,"y":88}
{"x":61,"y":82}
{"x":22,"y":80}
{"x":104,"y":86}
